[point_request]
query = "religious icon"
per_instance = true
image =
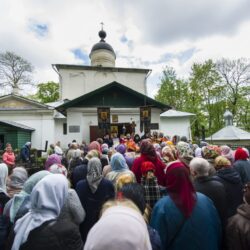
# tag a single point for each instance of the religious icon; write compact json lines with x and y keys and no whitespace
{"x":114,"y":118}
{"x":104,"y":116}
{"x":145,"y":113}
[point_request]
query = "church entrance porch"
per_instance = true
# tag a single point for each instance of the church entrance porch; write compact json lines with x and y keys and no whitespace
{"x":115,"y":128}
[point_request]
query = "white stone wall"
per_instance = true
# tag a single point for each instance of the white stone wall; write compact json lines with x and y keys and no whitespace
{"x":75,"y":83}
{"x":175,"y":126}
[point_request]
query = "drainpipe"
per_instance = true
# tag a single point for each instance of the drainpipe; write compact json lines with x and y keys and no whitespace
{"x":60,"y":80}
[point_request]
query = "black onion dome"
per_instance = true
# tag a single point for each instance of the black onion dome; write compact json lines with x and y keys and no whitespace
{"x":102,"y":44}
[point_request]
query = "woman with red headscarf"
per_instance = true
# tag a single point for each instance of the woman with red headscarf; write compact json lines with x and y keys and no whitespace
{"x":242,"y":164}
{"x":148,"y":153}
{"x":185,"y":219}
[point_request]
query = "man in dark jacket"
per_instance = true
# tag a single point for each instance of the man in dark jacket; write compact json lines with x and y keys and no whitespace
{"x":238,"y":228}
{"x":231,"y":180}
{"x":206,"y":185}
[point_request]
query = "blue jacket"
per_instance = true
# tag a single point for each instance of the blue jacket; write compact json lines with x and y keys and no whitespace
{"x":25,"y":153}
{"x":243,"y":168}
{"x":201,"y":231}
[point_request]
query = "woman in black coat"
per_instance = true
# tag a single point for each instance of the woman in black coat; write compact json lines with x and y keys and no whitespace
{"x":93,"y":192}
{"x":231,"y":180}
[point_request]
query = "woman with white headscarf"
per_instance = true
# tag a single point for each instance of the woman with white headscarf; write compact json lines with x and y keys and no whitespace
{"x":3,"y":200}
{"x":39,"y":229}
{"x":93,"y":192}
{"x":16,"y":181}
{"x":121,"y":226}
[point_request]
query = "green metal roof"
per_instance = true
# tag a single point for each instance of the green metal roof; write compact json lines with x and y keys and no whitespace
{"x":113,"y":95}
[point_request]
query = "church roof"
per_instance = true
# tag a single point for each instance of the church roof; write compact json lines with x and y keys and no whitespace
{"x":16,"y":125}
{"x":17,"y":102}
{"x":175,"y":113}
{"x":113,"y":95}
{"x":99,"y":68}
{"x":230,"y":133}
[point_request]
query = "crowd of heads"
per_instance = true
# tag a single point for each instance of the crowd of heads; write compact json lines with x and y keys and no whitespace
{"x":125,"y":182}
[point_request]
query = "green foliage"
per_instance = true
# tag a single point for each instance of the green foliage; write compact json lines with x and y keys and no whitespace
{"x":210,"y":89}
{"x":171,"y":89}
{"x":47,"y":92}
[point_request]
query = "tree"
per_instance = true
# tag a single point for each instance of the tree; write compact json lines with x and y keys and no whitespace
{"x":235,"y":75}
{"x":205,"y":87}
{"x":47,"y":92}
{"x":172,"y":90}
{"x":14,"y":71}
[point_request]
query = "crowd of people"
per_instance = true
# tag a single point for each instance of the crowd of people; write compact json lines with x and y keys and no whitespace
{"x":151,"y":193}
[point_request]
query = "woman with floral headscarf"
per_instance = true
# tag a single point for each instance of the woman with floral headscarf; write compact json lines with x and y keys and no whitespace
{"x":177,"y":217}
{"x":210,"y":152}
{"x":119,"y":167}
{"x":93,"y":192}
{"x":16,"y":181}
{"x":148,"y":153}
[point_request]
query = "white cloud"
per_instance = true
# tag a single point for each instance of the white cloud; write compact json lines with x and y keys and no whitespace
{"x":157,"y":32}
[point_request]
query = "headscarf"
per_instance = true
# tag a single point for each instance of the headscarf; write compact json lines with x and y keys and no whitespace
{"x":94,"y":173}
{"x":121,"y":148}
{"x":17,"y":178}
{"x":104,"y":145}
{"x":180,"y":188}
{"x":167,"y":154}
{"x":227,"y":152}
{"x":114,"y":219}
{"x":221,"y":162}
{"x":184,"y":152}
{"x":197,"y":153}
{"x":92,"y":153}
{"x":3,"y":177}
{"x":58,"y":151}
{"x":95,"y":145}
{"x":240,"y":154}
{"x":76,"y":153}
{"x":52,"y":159}
{"x":147,"y":166}
{"x":18,"y":199}
{"x":28,"y":143}
{"x":58,"y":169}
{"x":210,"y":152}
{"x":47,"y":199}
{"x":148,"y":149}
{"x":118,"y":163}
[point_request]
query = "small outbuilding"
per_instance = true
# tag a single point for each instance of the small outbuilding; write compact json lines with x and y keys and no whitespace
{"x":230,"y":135}
{"x":15,"y":133}
{"x":173,"y":122}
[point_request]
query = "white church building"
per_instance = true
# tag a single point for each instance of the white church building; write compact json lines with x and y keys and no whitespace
{"x":83,"y":89}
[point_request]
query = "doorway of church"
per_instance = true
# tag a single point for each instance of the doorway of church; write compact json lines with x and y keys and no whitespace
{"x":115,"y":128}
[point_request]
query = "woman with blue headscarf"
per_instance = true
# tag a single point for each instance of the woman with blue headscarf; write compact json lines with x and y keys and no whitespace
{"x":19,"y":205}
{"x":40,"y":228}
{"x":119,"y":167}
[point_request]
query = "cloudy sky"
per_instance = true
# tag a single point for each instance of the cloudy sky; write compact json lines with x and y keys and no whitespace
{"x":144,"y":33}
